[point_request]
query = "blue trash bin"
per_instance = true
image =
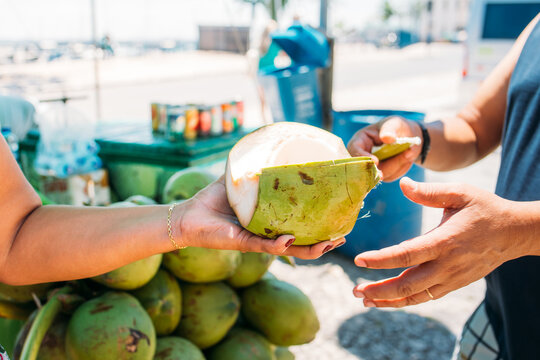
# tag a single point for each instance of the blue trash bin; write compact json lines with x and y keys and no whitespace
{"x":292,"y":93}
{"x":392,"y":217}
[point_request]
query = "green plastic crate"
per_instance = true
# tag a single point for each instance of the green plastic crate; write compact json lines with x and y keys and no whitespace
{"x":140,"y":163}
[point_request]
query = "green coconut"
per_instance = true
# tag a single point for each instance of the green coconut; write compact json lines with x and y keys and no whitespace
{"x":122,"y":204}
{"x":292,"y":178}
{"x":208,"y":312}
{"x":112,"y":326}
{"x":9,"y":328}
{"x":22,"y":294}
{"x":283,"y":353}
{"x":251,"y":269}
{"x":131,"y":276}
{"x":243,"y":344}
{"x":141,"y":200}
{"x":162,"y":300}
{"x":177,"y":348}
{"x":280,"y":311}
{"x":53,"y":344}
{"x":185,"y":183}
{"x":201,"y":265}
{"x":386,"y":151}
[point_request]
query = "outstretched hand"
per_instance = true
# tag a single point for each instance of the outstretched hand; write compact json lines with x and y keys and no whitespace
{"x":208,"y":221}
{"x":478,"y":232}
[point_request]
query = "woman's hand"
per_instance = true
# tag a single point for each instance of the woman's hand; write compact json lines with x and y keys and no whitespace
{"x":479,"y":231}
{"x":386,"y":132}
{"x":208,"y":221}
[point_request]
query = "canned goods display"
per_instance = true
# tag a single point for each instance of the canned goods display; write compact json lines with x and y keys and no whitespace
{"x":205,"y":121}
{"x":179,"y":121}
{"x":192,"y":122}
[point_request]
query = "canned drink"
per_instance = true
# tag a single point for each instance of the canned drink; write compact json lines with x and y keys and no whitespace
{"x":240,"y":113}
{"x":154,"y":109}
{"x":162,"y":125}
{"x":176,"y":119}
{"x":205,"y":121}
{"x":217,"y":121}
{"x":228,"y":125}
{"x":234,"y":115}
{"x":192,"y":122}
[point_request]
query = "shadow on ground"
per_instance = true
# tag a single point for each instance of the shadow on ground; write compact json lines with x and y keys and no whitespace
{"x":396,"y":335}
{"x":355,"y":273}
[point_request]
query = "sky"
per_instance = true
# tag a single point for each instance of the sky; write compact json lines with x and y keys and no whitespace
{"x":159,"y":19}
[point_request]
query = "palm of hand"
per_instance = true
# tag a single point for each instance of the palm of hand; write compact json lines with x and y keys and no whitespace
{"x":474,"y":237}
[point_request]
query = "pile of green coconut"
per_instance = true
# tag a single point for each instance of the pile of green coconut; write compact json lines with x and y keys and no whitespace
{"x":196,"y":303}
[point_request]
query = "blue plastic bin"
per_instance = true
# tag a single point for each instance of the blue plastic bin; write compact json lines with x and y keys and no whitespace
{"x":392,"y":217}
{"x":292,"y":93}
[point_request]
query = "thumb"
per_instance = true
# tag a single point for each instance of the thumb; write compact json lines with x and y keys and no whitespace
{"x":392,"y":128}
{"x":434,"y":194}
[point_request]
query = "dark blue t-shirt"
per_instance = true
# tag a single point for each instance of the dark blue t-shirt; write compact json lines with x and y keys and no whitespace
{"x":513,"y":289}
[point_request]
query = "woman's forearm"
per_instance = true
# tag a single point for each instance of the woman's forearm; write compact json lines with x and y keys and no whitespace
{"x":61,"y":243}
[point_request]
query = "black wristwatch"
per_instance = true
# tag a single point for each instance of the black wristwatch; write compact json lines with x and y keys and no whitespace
{"x":426,"y":142}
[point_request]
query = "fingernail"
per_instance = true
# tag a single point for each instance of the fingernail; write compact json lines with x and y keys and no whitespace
{"x":290,"y":242}
{"x":369,"y":303}
{"x":358,"y":293}
{"x":360,"y":262}
{"x":341,"y":243}
{"x":327,"y":249}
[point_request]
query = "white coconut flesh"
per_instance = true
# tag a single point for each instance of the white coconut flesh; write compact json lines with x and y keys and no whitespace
{"x":283,"y":143}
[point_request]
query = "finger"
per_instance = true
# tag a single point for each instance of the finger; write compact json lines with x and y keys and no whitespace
{"x":406,"y":254}
{"x":408,"y":283}
{"x":362,"y":142}
{"x":392,"y":128}
{"x":397,"y":166}
{"x":253,"y":243}
{"x":313,"y":251}
{"x":395,"y":170}
{"x":434,"y":194}
{"x":418,"y":298}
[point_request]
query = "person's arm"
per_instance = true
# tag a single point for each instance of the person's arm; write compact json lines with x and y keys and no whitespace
{"x":457,"y":141}
{"x":57,"y":243}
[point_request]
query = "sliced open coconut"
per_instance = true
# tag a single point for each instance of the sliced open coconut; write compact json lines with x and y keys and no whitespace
{"x":292,"y":178}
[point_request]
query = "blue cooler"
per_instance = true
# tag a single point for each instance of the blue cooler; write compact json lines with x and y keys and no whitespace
{"x":292,"y":93}
{"x":392,"y":217}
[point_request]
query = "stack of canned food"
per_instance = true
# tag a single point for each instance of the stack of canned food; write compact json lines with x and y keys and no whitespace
{"x":189,"y":122}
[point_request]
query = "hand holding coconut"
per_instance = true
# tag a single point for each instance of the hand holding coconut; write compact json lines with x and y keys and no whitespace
{"x":478,"y":232}
{"x":208,"y":221}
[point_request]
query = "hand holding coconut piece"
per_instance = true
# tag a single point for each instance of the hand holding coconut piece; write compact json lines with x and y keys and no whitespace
{"x":393,"y":143}
{"x":299,"y":180}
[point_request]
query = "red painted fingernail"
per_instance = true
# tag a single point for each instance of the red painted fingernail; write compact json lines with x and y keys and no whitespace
{"x":358,"y":293}
{"x":369,"y":303}
{"x":290,"y":242}
{"x":327,"y":249}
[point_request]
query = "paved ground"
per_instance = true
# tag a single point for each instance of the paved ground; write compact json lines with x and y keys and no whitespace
{"x":417,"y":78}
